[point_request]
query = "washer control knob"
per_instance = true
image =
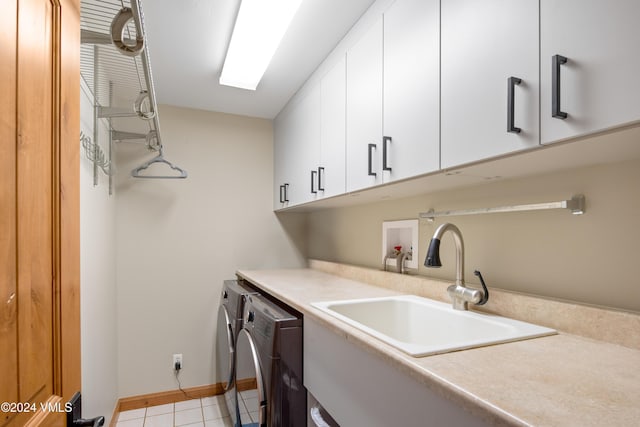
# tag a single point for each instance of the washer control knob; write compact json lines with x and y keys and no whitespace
{"x":225,"y":295}
{"x":250,"y":316}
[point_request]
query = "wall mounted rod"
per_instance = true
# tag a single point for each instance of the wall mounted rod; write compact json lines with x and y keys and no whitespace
{"x":575,"y":204}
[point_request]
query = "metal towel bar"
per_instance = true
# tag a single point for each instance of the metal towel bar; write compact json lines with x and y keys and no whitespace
{"x":575,"y":204}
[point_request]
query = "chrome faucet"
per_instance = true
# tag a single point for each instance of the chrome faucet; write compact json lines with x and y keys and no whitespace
{"x":460,"y":295}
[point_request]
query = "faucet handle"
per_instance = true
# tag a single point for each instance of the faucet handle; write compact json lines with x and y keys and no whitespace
{"x":485,"y":293}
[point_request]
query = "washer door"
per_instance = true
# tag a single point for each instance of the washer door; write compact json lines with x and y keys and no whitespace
{"x":252,"y":399}
{"x":225,"y":349}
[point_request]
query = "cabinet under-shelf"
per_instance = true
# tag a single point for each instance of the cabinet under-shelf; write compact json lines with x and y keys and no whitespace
{"x":610,"y":146}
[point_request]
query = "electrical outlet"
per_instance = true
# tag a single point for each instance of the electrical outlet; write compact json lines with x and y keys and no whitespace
{"x":177,"y":362}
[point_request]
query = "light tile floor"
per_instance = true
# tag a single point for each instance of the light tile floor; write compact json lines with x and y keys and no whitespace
{"x":205,"y":412}
{"x":249,"y":406}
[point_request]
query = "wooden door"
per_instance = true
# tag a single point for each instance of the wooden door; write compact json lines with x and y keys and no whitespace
{"x":39,"y":210}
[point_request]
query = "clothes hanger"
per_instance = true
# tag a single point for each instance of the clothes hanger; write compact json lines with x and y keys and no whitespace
{"x":158,"y":159}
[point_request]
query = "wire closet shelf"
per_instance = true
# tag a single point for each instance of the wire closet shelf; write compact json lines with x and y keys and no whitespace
{"x":115,"y":65}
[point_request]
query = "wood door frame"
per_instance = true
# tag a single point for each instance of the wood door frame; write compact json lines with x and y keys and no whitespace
{"x":8,"y":201}
{"x":66,"y":181}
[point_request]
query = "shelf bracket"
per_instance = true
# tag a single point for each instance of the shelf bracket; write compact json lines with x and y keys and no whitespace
{"x":118,"y":135}
{"x":111,"y":112}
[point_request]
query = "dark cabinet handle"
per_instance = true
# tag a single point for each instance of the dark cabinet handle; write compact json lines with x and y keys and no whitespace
{"x":511,"y":83}
{"x":371,"y":148}
{"x":556,"y":61}
{"x":286,"y":192}
{"x":385,"y":142}
{"x":313,"y":180}
{"x":281,"y":195}
{"x":320,"y":174}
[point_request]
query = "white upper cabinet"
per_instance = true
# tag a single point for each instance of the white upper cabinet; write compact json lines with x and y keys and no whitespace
{"x":393,"y":85}
{"x":309,"y":156}
{"x":331,"y":168}
{"x":364,"y":110}
{"x":297,"y":151}
{"x":411,"y":88}
{"x":306,"y":148}
{"x":484,"y":44}
{"x":282,"y":160}
{"x":599,"y":84}
{"x":422,"y":85}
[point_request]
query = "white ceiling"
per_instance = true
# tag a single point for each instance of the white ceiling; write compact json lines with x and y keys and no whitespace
{"x":188,"y":40}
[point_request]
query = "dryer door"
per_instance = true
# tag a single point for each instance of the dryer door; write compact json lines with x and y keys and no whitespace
{"x":225,"y":349}
{"x":252,"y":397}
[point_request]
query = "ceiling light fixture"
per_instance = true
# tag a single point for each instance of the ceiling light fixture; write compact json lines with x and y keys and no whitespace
{"x":259,"y":28}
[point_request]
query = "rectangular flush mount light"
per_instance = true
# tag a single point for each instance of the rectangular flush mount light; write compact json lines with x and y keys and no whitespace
{"x":259,"y":28}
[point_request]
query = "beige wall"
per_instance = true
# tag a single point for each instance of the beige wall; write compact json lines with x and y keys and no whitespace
{"x":177,"y":240}
{"x":97,"y":279}
{"x":591,"y":258}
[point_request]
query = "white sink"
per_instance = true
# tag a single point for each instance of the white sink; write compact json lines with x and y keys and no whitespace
{"x":422,"y":327}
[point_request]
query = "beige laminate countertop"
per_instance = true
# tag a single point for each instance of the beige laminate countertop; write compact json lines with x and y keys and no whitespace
{"x":559,"y":380}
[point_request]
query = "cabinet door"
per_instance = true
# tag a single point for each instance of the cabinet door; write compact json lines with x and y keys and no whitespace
{"x":282,"y":159}
{"x":297,"y":151}
{"x":364,"y":110}
{"x":305,"y":148}
{"x":331,"y":178}
{"x":599,"y":86}
{"x":412,"y":87}
{"x":351,"y":378}
{"x":483,"y":44}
